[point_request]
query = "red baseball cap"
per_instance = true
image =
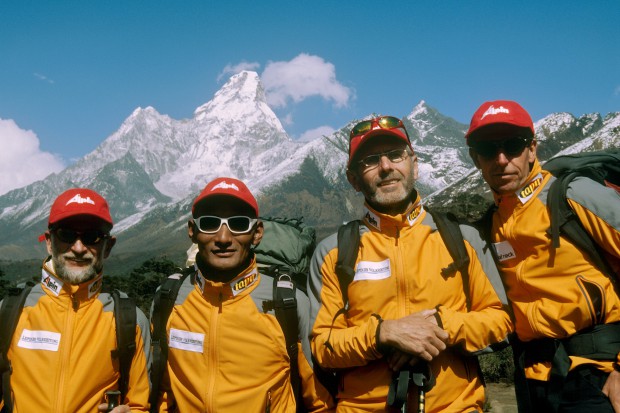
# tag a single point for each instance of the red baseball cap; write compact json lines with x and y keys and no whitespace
{"x":357,"y":141}
{"x":499,"y":113}
{"x":227,"y":186}
{"x":79,"y":201}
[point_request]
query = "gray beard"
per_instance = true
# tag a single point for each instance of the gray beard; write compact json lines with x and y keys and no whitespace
{"x":73,"y":277}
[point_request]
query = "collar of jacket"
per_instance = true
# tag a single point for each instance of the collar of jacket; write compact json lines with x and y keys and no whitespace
{"x":384,"y":222}
{"x":54,"y":286}
{"x":241,"y":285}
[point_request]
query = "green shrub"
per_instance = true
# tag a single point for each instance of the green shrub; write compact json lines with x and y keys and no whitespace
{"x":498,"y":367}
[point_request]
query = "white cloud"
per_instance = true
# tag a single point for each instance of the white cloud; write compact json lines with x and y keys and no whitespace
{"x":316,"y":133}
{"x":303,"y":77}
{"x":230,"y":70}
{"x":287,"y":119}
{"x":21,"y":160}
{"x":43,"y":78}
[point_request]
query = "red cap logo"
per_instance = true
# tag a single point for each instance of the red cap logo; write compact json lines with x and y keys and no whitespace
{"x":227,"y":186}
{"x":499,"y":112}
{"x":79,"y":201}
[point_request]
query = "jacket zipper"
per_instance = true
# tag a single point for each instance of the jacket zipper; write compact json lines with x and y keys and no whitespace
{"x":212,"y":352}
{"x":65,"y":353}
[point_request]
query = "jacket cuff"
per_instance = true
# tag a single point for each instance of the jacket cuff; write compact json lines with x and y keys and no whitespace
{"x":438,"y":317}
{"x":383,"y":349}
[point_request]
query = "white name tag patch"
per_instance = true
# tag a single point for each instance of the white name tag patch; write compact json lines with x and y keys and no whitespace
{"x":504,"y":251}
{"x":369,"y":270}
{"x":186,"y":340}
{"x":39,"y":340}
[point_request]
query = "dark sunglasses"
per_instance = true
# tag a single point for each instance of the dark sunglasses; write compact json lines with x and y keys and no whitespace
{"x":237,"y":225}
{"x":395,"y":156}
{"x":90,"y":237}
{"x":510,"y":147}
{"x":384,"y":122}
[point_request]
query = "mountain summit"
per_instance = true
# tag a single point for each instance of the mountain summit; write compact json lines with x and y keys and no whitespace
{"x":151,"y":168}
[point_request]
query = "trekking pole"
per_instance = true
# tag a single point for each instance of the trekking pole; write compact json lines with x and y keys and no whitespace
{"x":421,"y":400}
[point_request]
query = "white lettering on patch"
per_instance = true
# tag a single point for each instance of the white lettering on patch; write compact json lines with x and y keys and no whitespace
{"x":369,"y":270}
{"x":186,"y":340}
{"x":39,"y":340}
{"x":504,"y":251}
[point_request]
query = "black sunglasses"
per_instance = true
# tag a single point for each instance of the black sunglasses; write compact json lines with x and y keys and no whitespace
{"x":89,"y":237}
{"x":510,"y":147}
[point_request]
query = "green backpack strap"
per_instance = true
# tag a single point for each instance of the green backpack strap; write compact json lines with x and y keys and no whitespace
{"x":163,"y":302}
{"x":348,"y":247}
{"x":285,"y":308}
{"x":126,"y":319}
{"x":450,"y":231}
{"x":10,"y":311}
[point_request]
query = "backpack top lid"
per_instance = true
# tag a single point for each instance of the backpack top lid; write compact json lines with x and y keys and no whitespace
{"x":286,"y":243}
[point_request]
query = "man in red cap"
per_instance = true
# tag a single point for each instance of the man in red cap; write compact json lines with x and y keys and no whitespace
{"x":226,"y":349}
{"x":401,"y":311}
{"x":62,"y":353}
{"x":559,"y":298}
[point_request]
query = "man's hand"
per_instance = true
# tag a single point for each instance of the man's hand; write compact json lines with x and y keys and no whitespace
{"x":611,"y":389}
{"x":123,"y":408}
{"x":397,"y":360}
{"x":416,"y":334}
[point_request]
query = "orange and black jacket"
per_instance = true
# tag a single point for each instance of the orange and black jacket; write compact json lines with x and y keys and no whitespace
{"x":556,"y":293}
{"x":398,"y":272}
{"x":226,"y":354}
{"x":62,"y":350}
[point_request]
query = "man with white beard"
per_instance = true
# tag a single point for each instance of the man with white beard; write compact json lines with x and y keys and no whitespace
{"x":64,"y":353}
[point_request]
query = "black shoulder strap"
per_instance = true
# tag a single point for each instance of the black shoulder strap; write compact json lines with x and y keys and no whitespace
{"x":564,"y":220}
{"x":163,"y":302}
{"x":450,"y":231}
{"x":348,"y":248}
{"x":10,"y":311}
{"x":126,"y":319}
{"x":285,"y":308}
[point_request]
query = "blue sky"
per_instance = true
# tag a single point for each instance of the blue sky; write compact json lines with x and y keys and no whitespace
{"x":72,"y":71}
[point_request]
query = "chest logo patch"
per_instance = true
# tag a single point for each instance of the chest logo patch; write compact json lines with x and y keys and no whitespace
{"x":504,"y":251}
{"x":245,"y":282}
{"x":370,"y":270}
{"x":526,"y":192}
{"x":39,"y":340}
{"x":186,"y":340}
{"x":52,"y":283}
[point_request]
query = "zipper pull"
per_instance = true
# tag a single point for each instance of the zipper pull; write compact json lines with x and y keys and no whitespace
{"x":268,"y":406}
{"x":75,"y":303}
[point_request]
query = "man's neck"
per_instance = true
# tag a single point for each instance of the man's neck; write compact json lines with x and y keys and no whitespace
{"x":218,"y":275}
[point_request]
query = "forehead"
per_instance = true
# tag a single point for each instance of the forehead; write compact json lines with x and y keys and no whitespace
{"x":499,"y":132}
{"x":379,"y":144}
{"x":83,"y":223}
{"x":223,"y":206}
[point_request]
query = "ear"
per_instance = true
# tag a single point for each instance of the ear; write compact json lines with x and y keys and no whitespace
{"x":414,"y":160}
{"x":191,"y":230}
{"x":354,"y":180}
{"x":257,"y":236}
{"x":532,"y":154}
{"x":474,"y":157}
{"x":48,"y":242}
{"x":109,"y":243}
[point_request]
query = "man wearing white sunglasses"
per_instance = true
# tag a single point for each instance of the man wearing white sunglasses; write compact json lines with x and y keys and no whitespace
{"x":226,"y":352}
